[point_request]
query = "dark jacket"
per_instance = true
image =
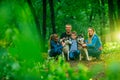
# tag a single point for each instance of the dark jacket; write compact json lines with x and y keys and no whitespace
{"x":55,"y":48}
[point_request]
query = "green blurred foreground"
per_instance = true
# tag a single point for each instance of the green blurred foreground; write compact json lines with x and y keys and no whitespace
{"x":17,"y":68}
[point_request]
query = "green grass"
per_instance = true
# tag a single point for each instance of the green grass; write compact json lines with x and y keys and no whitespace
{"x":106,"y":69}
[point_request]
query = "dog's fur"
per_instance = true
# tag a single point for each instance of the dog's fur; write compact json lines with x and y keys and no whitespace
{"x":80,"y":40}
{"x":67,"y":42}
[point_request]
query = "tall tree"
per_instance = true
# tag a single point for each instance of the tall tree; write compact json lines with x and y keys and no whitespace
{"x":44,"y":24}
{"x":111,"y":20}
{"x":44,"y":19}
{"x":102,"y":18}
{"x":51,"y":3}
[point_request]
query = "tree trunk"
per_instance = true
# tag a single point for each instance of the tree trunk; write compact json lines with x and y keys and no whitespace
{"x":44,"y":20}
{"x":44,"y":26}
{"x":91,"y":15}
{"x":102,"y":18}
{"x":52,"y":15}
{"x":111,"y":21}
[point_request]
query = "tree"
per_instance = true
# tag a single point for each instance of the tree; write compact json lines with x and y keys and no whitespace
{"x":102,"y":19}
{"x":44,"y":24}
{"x":44,"y":19}
{"x":51,"y":3}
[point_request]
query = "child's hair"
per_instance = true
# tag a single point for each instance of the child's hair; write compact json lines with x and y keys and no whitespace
{"x":74,"y":32}
{"x":52,"y":37}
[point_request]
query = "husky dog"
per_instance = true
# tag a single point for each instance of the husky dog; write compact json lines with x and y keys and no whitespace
{"x":67,"y":42}
{"x":80,"y":40}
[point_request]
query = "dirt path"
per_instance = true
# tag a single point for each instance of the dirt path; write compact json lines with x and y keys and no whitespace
{"x":73,"y":63}
{"x":89,"y":64}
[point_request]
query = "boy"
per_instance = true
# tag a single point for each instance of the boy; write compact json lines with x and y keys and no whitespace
{"x":74,"y":52}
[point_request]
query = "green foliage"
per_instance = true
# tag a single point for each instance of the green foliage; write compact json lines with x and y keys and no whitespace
{"x":21,"y":41}
{"x":113,"y":71}
{"x":8,"y":65}
{"x":111,"y":47}
{"x":61,"y":70}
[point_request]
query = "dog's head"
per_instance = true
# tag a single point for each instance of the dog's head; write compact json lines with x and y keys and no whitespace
{"x":80,"y":39}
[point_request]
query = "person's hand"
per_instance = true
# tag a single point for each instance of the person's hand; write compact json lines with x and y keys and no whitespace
{"x":100,"y":48}
{"x":63,"y":44}
{"x":84,"y":45}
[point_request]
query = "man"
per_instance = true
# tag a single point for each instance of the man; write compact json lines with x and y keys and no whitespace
{"x":93,"y":44}
{"x":66,"y":34}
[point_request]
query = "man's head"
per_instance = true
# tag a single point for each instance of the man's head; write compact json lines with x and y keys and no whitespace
{"x":91,"y":32}
{"x":68,"y":28}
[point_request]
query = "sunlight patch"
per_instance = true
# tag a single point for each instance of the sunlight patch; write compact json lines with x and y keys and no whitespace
{"x":118,"y":35}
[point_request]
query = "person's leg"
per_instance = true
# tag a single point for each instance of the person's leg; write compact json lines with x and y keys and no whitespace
{"x":71,"y":55}
{"x":74,"y":54}
{"x":77,"y":53}
{"x":98,"y":54}
{"x":52,"y":53}
{"x":94,"y":53}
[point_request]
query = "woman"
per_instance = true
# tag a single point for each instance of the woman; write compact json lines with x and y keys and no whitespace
{"x":93,"y":44}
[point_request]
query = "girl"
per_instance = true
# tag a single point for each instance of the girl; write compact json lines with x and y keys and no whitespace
{"x":55,"y":46}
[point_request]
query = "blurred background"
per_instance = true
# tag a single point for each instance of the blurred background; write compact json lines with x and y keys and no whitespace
{"x":26,"y":25}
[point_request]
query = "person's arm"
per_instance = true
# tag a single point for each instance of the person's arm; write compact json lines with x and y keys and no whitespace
{"x":93,"y":42}
{"x":57,"y":48}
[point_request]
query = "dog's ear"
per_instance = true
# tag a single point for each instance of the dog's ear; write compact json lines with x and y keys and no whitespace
{"x":82,"y":35}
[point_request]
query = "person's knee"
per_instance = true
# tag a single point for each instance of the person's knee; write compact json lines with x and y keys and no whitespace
{"x":71,"y":55}
{"x":78,"y":52}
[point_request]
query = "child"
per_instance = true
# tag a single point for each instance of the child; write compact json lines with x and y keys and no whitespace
{"x":74,"y":52}
{"x":55,"y":46}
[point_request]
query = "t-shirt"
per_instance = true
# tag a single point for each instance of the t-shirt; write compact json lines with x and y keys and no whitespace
{"x":64,"y":35}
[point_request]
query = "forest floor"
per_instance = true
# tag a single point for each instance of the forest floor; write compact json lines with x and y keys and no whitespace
{"x":73,"y":63}
{"x":89,"y":65}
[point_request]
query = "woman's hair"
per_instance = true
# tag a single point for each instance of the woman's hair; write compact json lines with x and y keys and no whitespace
{"x":91,"y":28}
{"x":52,"y":37}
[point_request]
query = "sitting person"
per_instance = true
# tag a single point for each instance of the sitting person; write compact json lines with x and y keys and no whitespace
{"x":55,"y":46}
{"x":74,"y":52}
{"x":93,"y":44}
